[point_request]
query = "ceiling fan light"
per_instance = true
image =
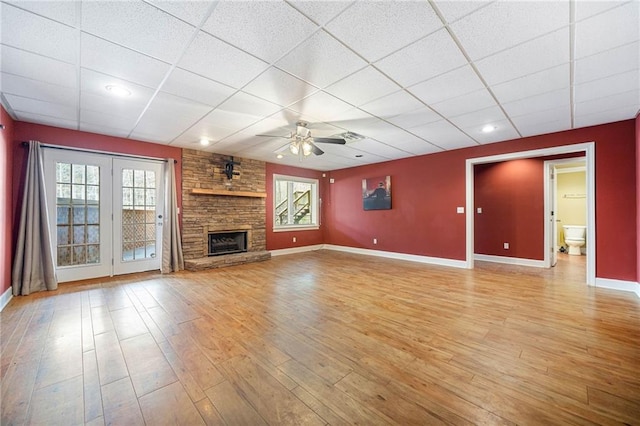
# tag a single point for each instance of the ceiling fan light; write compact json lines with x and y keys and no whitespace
{"x":293,"y":147}
{"x":306,"y":148}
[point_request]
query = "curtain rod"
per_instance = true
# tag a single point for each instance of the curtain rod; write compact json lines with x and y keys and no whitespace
{"x":93,"y":151}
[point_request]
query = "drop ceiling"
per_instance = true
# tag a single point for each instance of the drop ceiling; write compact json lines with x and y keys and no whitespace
{"x":412,"y":77}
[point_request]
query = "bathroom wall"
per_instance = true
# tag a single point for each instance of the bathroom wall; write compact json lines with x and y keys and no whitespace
{"x":572,"y":201}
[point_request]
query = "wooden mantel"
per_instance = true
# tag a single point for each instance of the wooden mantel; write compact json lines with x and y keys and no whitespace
{"x":202,"y":191}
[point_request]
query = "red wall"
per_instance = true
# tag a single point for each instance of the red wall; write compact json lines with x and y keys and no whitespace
{"x":511,"y":195}
{"x":638,"y":197}
{"x":281,"y":240}
{"x":73,"y":138}
{"x":6,"y":195}
{"x":426,"y":191}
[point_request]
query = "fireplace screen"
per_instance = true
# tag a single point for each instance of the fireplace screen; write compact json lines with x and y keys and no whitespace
{"x":227,"y":242}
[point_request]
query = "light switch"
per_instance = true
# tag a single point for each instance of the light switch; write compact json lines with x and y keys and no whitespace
{"x":479,"y":210}
{"x":331,"y":180}
{"x":460,"y":210}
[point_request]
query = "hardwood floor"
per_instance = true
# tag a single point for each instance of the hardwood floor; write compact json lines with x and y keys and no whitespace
{"x":325,"y":338}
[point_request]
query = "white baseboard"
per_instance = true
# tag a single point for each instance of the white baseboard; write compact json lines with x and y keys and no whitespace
{"x":509,"y":260}
{"x":5,"y":298}
{"x":401,"y":256}
{"x":612,"y":284}
{"x":293,"y":250}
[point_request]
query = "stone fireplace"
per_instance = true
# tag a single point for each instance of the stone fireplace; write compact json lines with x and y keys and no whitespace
{"x":234,"y":209}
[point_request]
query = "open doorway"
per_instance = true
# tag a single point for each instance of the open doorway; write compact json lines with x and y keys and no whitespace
{"x":588,"y":149}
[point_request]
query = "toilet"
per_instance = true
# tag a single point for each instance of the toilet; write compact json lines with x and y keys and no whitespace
{"x":574,"y":238}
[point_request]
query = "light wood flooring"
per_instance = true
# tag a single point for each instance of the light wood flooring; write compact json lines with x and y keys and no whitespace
{"x":325,"y":338}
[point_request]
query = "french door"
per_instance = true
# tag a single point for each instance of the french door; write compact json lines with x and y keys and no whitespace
{"x":105,"y":214}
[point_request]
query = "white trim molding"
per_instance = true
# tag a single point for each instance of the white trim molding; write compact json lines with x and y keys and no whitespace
{"x":400,"y":256}
{"x":293,"y":250}
{"x":612,"y":284}
{"x":5,"y":298}
{"x":509,"y":260}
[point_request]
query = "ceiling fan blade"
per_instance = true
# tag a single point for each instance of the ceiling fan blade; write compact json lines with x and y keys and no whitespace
{"x":316,"y":150}
{"x":336,"y":141}
{"x":274,"y":136}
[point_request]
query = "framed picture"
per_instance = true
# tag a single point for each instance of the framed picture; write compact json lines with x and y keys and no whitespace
{"x":376,"y":193}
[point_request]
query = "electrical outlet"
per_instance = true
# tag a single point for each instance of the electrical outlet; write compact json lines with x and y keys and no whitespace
{"x":294,"y":239}
{"x":506,"y":246}
{"x":331,"y":180}
{"x":479,"y":210}
{"x":460,"y":210}
{"x":375,"y":241}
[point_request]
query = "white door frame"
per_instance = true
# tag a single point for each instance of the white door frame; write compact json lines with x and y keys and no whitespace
{"x":588,"y":148}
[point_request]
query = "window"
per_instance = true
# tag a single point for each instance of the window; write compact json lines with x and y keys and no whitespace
{"x":295,"y":203}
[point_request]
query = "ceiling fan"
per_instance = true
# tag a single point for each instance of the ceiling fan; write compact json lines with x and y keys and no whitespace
{"x":301,"y":142}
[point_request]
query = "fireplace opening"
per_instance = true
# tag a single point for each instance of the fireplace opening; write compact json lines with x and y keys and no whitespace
{"x":227,"y":242}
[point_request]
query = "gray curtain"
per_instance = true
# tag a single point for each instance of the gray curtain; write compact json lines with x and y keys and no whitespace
{"x":33,"y":265}
{"x":172,"y":259}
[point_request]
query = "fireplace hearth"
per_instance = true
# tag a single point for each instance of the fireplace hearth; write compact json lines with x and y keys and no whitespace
{"x":226,"y":242}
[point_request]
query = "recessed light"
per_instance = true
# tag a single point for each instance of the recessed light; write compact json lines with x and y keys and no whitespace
{"x":488,"y":128}
{"x":118,"y":90}
{"x":279,"y":156}
{"x":204,"y":141}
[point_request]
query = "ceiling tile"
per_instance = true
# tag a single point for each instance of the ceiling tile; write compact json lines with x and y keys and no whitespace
{"x":614,"y":61}
{"x":607,"y":86}
{"x":536,"y":55}
{"x":547,"y":121}
{"x":168,"y":116}
{"x":425,"y":59}
{"x":65,"y":12}
{"x":449,"y":85}
{"x":321,"y":106}
{"x":503,"y":131}
{"x":233,"y":121}
{"x":138,"y":26}
{"x":244,"y":103}
{"x":378,"y":148}
{"x":194,"y":12}
{"x":33,"y":33}
{"x":34,"y":89}
{"x":46,"y":120}
{"x":363,"y":86}
{"x":613,"y":28}
{"x":443,"y":135}
{"x":477,"y":119}
{"x":542,"y":102}
{"x":279,"y":87}
{"x":588,"y":8}
{"x":408,"y":142}
{"x":122,"y":124}
{"x":418,"y":117}
{"x":103,"y":130}
{"x":321,"y":61}
{"x":36,"y":67}
{"x":321,"y":12}
{"x":391,"y":105}
{"x":608,"y":116}
{"x":109,"y":58}
{"x":34,"y":106}
{"x":219,"y":61}
{"x":505,"y":24}
{"x":203,"y":129}
{"x":192,"y":86}
{"x":94,"y":83}
{"x":454,"y":10}
{"x":464,"y":104}
{"x":366,"y":26}
{"x":533,"y":84}
{"x":266,"y":29}
{"x":127,"y":111}
{"x":630,"y":98}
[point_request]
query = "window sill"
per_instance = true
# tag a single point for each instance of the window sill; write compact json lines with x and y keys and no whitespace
{"x":297,"y":228}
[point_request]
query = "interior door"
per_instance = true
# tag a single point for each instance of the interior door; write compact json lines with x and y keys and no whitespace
{"x":553,"y":240}
{"x":137,"y":219}
{"x":78,"y":191}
